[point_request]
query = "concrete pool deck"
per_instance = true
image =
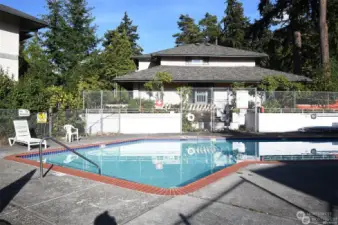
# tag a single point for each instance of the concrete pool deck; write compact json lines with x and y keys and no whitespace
{"x":257,"y":194}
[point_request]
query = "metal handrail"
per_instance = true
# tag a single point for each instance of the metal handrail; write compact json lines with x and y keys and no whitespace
{"x":68,"y":148}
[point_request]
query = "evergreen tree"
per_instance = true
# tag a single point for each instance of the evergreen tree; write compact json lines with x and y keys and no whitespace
{"x":71,"y":35}
{"x":190,"y":32}
{"x":39,"y":66}
{"x":296,"y":37}
{"x":210,"y":28}
{"x":117,"y":56}
{"x":55,"y":36}
{"x":80,"y":31}
{"x":235,"y":25}
{"x":126,"y":26}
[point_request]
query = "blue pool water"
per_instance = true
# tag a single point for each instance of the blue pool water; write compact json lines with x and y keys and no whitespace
{"x":176,"y":163}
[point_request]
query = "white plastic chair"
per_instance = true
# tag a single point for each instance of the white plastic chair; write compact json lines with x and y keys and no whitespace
{"x":70,"y":132}
{"x":23,"y":136}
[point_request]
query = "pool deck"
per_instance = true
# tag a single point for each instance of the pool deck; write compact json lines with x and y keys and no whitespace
{"x":256,"y":194}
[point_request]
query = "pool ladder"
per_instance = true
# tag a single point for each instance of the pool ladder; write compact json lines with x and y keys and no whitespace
{"x":66,"y":147}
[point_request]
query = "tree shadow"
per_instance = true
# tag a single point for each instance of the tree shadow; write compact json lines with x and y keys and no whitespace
{"x":4,"y":222}
{"x":105,"y":219}
{"x":185,"y":218}
{"x":49,"y":169}
{"x":317,"y":179}
{"x":10,"y":191}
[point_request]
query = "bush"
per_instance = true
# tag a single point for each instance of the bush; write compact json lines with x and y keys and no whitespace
{"x":186,"y":124}
{"x":6,"y":85}
{"x":133,"y":105}
{"x":146,"y":105}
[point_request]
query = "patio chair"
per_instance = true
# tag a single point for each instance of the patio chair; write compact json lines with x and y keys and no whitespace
{"x":23,"y":136}
{"x":70,"y":132}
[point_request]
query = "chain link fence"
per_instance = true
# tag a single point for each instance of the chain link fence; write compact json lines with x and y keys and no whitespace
{"x":174,"y":111}
{"x":299,"y":101}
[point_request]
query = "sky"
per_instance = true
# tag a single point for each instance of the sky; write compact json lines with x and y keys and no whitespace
{"x":156,"y":19}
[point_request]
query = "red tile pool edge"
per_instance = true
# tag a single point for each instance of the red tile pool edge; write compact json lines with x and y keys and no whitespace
{"x":137,"y":186}
{"x":141,"y":187}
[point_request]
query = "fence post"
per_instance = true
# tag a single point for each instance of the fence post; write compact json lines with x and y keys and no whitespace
{"x":181,"y":109}
{"x":119,"y":119}
{"x":83,"y":100}
{"x":255,"y":129}
{"x":50,"y":126}
{"x":211,"y":111}
{"x":101,"y":113}
{"x":294,"y":100}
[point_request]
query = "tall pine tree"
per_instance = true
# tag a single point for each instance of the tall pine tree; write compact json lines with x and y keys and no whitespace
{"x":70,"y":37}
{"x":190,"y":32}
{"x":117,"y":56}
{"x":210,"y":28}
{"x":55,"y":36}
{"x":81,"y":35}
{"x":235,"y":25}
{"x":126,"y":26}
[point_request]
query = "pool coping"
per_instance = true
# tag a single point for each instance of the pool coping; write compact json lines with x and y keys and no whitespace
{"x":191,"y":187}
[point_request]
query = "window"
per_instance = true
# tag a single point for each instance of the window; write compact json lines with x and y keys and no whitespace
{"x":197,"y":60}
{"x":201,"y":97}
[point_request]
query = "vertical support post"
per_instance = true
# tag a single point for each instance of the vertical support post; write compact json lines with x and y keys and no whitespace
{"x":50,"y":122}
{"x":119,"y":119}
{"x":101,"y":113}
{"x":294,"y":100}
{"x":88,"y":126}
{"x":83,"y":100}
{"x":181,"y":111}
{"x":256,"y":114}
{"x":211,"y":108}
{"x":101,"y":105}
{"x":40,"y":157}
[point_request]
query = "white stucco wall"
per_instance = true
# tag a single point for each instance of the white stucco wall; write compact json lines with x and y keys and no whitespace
{"x":9,"y":46}
{"x":288,"y":122}
{"x":143,"y":64}
{"x":11,"y":67}
{"x":133,"y":123}
{"x":294,"y":147}
{"x":215,"y":62}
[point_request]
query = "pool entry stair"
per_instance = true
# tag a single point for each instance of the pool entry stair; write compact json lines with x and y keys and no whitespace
{"x":66,"y":147}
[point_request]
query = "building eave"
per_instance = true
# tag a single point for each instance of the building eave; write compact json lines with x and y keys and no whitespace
{"x":27,"y":23}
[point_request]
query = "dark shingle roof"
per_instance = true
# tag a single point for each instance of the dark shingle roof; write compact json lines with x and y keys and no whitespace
{"x":207,"y":50}
{"x":144,"y":56}
{"x":208,"y":74}
{"x":27,"y":22}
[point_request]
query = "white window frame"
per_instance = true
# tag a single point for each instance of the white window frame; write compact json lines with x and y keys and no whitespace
{"x":197,"y":61}
{"x":203,"y":95}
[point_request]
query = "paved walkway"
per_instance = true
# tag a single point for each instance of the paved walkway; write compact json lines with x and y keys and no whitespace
{"x":254,"y":195}
{"x":259,"y":194}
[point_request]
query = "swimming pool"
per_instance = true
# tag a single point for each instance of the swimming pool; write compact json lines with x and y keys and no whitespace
{"x":175,"y":163}
{"x":159,"y":163}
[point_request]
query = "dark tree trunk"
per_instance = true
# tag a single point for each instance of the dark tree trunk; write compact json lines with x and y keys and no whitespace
{"x":297,"y":52}
{"x":324,"y":38}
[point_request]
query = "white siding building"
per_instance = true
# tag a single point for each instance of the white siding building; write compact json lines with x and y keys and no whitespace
{"x":208,"y":69}
{"x":15,"y":27}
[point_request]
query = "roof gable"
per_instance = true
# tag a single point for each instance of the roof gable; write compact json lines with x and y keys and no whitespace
{"x":207,"y":50}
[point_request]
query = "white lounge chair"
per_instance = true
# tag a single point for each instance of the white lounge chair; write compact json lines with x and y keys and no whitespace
{"x":23,"y":136}
{"x":70,"y":132}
